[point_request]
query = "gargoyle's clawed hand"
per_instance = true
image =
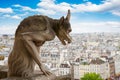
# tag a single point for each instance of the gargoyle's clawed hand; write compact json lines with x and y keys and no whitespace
{"x":45,"y":72}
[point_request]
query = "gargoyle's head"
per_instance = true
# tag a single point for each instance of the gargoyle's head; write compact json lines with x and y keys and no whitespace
{"x":64,"y":29}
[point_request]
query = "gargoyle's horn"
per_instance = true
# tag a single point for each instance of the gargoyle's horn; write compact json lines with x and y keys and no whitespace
{"x":68,"y":15}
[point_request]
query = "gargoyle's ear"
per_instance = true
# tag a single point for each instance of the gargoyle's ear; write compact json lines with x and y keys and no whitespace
{"x":61,"y":20}
{"x":68,"y":15}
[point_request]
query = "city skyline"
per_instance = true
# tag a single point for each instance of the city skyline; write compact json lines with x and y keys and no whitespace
{"x":91,"y":52}
{"x":86,"y":15}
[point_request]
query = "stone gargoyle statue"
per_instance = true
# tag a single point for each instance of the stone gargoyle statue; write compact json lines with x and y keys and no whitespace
{"x":32,"y":33}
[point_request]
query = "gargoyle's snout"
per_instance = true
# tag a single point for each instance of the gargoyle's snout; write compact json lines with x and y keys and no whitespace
{"x":67,"y":40}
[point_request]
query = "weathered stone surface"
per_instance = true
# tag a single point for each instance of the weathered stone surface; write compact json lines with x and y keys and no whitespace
{"x":65,"y":77}
{"x":3,"y":74}
{"x":36,"y":76}
{"x":3,"y":71}
{"x":40,"y":77}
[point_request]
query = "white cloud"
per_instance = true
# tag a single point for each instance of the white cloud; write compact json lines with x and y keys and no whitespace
{"x":39,"y":10}
{"x":24,"y":8}
{"x":6,"y":10}
{"x":51,"y":7}
{"x":45,"y":11}
{"x":110,"y":5}
{"x":16,"y":17}
{"x":96,"y":27}
{"x":107,"y":6}
{"x":7,"y":15}
{"x":24,"y":14}
{"x":13,"y":17}
{"x":116,"y":12}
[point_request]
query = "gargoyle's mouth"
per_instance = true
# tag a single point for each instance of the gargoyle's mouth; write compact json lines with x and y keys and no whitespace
{"x":66,"y":40}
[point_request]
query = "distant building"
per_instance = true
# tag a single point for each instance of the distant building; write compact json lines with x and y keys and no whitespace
{"x":5,"y":36}
{"x":64,"y":69}
{"x":111,"y":66}
{"x":96,"y":65}
{"x":117,"y":64}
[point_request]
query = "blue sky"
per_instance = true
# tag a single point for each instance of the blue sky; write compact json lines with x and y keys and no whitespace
{"x":86,"y":15}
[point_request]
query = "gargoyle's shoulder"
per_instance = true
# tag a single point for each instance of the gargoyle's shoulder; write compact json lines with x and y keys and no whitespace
{"x":38,"y":16}
{"x":34,"y":23}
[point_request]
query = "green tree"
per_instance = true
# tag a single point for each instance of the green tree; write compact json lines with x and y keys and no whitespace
{"x":91,"y":76}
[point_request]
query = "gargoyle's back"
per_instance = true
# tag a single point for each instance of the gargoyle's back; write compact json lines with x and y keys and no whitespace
{"x":33,"y":23}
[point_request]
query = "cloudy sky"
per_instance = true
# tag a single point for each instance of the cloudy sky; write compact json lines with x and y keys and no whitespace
{"x":86,"y":15}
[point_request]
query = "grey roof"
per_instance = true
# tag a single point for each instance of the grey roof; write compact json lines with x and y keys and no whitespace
{"x":97,"y":61}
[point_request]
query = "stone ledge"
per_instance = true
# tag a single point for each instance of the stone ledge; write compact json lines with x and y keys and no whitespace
{"x":40,"y":77}
{"x":3,"y":71}
{"x":37,"y":76}
{"x":3,"y":74}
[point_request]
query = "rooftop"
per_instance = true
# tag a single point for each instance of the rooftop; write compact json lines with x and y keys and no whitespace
{"x":97,"y":61}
